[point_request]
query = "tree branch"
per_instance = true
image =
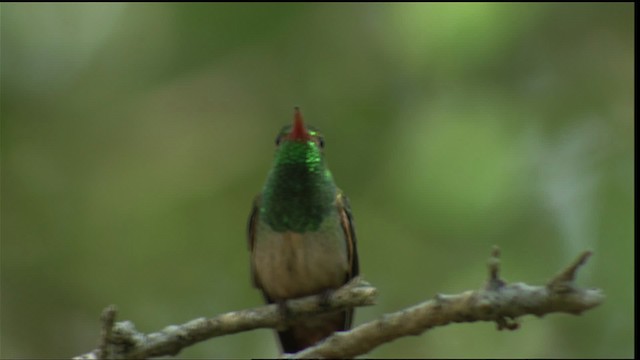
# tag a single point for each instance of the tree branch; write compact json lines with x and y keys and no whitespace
{"x":497,"y":302}
{"x":125,"y":342}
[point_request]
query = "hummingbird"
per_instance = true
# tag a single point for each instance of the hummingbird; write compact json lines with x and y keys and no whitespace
{"x":301,"y":234}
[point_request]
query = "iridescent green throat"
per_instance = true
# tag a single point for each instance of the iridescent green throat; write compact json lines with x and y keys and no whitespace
{"x":299,"y":192}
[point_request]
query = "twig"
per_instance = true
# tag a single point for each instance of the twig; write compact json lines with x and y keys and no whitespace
{"x":108,"y":318}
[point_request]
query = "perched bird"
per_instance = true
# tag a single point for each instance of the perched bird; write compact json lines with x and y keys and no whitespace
{"x":301,"y":235}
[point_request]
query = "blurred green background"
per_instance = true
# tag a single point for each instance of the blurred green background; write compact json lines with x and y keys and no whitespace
{"x":134,"y":137}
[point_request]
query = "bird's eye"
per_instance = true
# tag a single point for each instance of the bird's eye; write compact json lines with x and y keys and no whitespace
{"x":321,"y":142}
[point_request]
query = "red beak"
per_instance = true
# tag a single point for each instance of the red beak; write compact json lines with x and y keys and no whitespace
{"x":299,"y":131}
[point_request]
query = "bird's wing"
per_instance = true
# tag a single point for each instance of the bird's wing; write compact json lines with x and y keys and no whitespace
{"x":251,"y":236}
{"x":346,"y":220}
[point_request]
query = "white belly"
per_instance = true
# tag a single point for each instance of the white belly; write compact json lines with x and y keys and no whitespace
{"x":289,"y":265}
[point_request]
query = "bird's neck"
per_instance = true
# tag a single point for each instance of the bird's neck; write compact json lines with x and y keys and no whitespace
{"x":299,"y":193}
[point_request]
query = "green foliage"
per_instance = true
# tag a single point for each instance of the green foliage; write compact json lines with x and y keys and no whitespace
{"x":134,"y":137}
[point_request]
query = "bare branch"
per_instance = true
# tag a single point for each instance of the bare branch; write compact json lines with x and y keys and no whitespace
{"x":497,"y":302}
{"x":128,"y":343}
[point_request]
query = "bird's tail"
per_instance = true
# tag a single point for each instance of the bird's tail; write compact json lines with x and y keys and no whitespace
{"x":310,"y":331}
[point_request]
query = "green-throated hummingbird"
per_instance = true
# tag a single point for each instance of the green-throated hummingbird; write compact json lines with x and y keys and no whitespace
{"x":301,"y":234}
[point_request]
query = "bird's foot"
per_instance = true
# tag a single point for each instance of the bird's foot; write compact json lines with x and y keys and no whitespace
{"x":285,"y":313}
{"x":324,"y":298}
